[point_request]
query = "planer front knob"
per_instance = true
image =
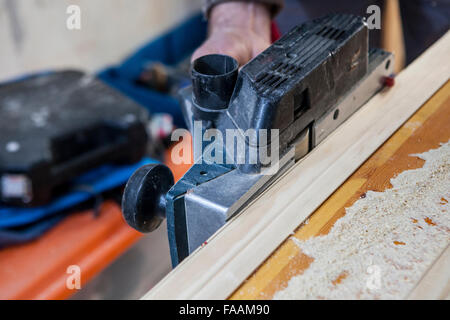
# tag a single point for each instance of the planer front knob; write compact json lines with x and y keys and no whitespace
{"x":144,"y":198}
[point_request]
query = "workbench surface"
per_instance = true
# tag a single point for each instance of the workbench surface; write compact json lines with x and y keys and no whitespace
{"x":425,"y":130}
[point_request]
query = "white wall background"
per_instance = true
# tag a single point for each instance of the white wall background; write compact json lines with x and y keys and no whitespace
{"x":34,"y":36}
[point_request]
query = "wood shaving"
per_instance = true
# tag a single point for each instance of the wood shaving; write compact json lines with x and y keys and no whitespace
{"x":385,"y":242}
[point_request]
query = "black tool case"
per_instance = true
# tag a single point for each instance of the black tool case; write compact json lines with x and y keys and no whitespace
{"x":56,"y":126}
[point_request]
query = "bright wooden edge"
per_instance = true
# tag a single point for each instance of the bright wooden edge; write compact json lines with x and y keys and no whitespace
{"x":435,"y":284}
{"x":235,"y":251}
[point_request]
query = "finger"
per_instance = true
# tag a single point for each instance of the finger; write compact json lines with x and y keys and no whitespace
{"x":225,"y":47}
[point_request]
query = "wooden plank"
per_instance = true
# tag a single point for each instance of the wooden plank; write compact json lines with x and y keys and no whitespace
{"x":436,"y":282}
{"x":424,"y":131}
{"x":234,"y":252}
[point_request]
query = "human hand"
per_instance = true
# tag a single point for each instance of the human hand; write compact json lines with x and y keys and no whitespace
{"x":240,"y":30}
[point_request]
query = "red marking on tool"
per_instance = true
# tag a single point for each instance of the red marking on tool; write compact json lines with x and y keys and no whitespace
{"x":275,"y":32}
{"x":389,"y":81}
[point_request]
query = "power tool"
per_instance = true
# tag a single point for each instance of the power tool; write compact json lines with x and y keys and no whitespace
{"x":56,"y":126}
{"x":298,"y":91}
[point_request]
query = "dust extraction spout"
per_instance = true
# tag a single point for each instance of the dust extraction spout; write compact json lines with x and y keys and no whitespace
{"x":213,"y":80}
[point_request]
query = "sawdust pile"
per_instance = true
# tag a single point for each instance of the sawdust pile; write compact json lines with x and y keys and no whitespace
{"x":385,"y":242}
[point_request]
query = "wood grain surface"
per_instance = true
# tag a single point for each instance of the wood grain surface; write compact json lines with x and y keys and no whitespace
{"x":429,"y":127}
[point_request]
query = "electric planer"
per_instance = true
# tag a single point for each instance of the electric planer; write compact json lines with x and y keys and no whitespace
{"x":298,"y":92}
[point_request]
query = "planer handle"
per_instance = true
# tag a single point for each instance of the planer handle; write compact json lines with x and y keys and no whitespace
{"x":144,"y":198}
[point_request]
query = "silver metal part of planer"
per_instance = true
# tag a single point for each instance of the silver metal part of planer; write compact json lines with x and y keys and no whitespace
{"x":304,"y":86}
